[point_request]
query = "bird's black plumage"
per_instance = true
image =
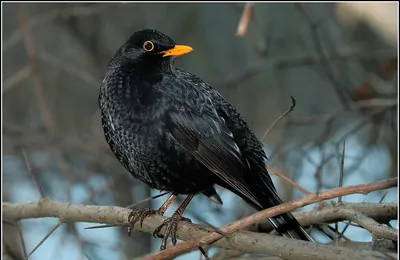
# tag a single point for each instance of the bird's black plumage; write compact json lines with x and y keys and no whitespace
{"x":174,"y":132}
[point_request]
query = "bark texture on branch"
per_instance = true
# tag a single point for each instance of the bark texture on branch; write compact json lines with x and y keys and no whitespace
{"x":276,"y":210}
{"x":242,"y":240}
{"x":380,"y":212}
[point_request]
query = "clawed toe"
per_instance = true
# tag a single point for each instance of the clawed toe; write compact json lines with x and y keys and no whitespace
{"x":138,"y":215}
{"x":171,"y":226}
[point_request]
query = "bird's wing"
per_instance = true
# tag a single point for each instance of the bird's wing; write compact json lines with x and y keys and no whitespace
{"x":248,"y":143}
{"x":198,"y":128}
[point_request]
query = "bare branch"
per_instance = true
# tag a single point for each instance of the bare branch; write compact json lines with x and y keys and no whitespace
{"x":44,"y":239}
{"x":21,"y":236}
{"x":381,"y":245}
{"x":376,"y":229}
{"x":376,"y":102}
{"x":267,"y":213}
{"x":69,"y":68}
{"x":290,"y":109}
{"x":302,"y":59}
{"x":48,"y":16}
{"x":245,"y":19}
{"x":342,"y":168}
{"x":31,"y":51}
{"x":242,"y":240}
{"x":17,"y":78}
{"x":382,"y":213}
{"x":134,"y":205}
{"x":33,"y":174}
{"x":325,"y":61}
{"x":288,"y":180}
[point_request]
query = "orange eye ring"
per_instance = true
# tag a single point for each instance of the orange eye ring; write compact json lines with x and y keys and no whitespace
{"x":148,"y":46}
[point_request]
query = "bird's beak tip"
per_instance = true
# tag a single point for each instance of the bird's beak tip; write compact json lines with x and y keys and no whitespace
{"x":178,"y":50}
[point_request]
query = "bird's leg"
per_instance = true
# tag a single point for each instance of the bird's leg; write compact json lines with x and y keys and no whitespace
{"x":171,"y":224}
{"x":140,"y":214}
{"x":166,"y":205}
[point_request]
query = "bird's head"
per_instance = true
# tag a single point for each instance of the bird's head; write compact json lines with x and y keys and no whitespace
{"x":149,"y":48}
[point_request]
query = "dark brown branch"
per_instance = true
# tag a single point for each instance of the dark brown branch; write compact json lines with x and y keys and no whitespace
{"x":342,"y":168}
{"x":33,"y":174}
{"x":290,"y":109}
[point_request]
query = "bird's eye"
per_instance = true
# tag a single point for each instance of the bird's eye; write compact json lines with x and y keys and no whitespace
{"x":148,"y":46}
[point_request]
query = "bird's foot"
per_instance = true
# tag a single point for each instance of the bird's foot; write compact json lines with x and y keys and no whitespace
{"x":171,"y":226}
{"x":139,"y":215}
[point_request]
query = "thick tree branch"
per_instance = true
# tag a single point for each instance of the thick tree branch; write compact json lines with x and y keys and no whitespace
{"x":199,"y":235}
{"x":267,"y":213}
{"x":243,"y":240}
{"x":382,"y":213}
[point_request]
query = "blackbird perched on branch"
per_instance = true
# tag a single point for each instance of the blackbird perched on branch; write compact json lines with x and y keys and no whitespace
{"x":174,"y":132}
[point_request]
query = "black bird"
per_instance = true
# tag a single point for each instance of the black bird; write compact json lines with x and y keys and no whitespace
{"x":175,"y":133}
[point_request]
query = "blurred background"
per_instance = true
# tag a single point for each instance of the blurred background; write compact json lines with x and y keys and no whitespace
{"x":339,"y":61}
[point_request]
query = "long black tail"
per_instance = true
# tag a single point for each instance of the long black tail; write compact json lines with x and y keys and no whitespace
{"x":288,"y":226}
{"x":285,"y":224}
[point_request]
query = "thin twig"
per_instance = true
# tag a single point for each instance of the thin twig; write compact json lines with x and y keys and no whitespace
{"x":17,"y":78}
{"x":31,"y":51}
{"x":72,"y":69}
{"x":35,"y":180}
{"x":279,"y":119}
{"x":355,"y":106}
{"x":383,"y":197}
{"x":344,"y":229}
{"x":146,"y":200}
{"x":245,"y":19}
{"x":48,"y":16}
{"x":340,"y":91}
{"x":44,"y":239}
{"x":287,"y":179}
{"x":204,"y":253}
{"x":342,"y":168}
{"x":253,"y":68}
{"x":107,"y":226}
{"x":21,"y":236}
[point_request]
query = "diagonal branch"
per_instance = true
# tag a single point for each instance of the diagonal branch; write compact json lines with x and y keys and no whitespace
{"x":245,"y":19}
{"x":280,"y":209}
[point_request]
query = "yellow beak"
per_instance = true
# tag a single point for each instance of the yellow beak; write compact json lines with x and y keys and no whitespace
{"x":178,"y":50}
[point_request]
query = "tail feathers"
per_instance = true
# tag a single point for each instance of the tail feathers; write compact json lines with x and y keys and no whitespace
{"x":288,"y":226}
